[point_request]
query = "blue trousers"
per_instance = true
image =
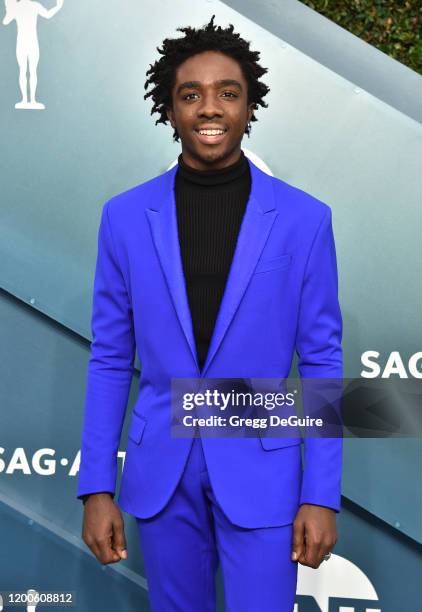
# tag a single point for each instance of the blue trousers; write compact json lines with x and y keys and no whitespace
{"x":183,"y":544}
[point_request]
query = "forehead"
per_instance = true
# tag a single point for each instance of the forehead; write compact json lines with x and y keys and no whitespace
{"x":209,"y":66}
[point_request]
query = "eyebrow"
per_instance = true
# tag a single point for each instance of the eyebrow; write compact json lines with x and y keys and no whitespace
{"x":197,"y":84}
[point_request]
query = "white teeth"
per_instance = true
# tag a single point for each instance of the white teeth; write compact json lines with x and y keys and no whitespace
{"x":211,"y":132}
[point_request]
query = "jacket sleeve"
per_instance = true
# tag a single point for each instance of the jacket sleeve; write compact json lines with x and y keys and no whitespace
{"x":110,"y":369}
{"x":318,"y":345}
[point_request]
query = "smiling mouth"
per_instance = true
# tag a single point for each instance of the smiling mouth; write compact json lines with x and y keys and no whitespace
{"x":207,"y":136}
{"x":211,"y":131}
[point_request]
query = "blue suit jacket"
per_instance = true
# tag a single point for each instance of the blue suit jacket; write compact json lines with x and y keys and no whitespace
{"x":281,"y":295}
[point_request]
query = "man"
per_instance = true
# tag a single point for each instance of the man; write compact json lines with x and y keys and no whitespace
{"x":212,"y":269}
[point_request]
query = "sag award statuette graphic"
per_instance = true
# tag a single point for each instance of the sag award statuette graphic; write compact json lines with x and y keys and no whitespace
{"x":25,"y":13}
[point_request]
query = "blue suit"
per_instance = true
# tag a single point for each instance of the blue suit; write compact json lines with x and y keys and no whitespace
{"x":281,"y":295}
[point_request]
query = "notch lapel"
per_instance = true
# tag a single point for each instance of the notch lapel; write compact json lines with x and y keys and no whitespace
{"x":163,"y":224}
{"x":255,"y":228}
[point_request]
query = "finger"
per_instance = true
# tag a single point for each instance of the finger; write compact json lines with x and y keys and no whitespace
{"x":326,"y":549}
{"x":302,"y":557}
{"x":298,"y":544}
{"x":106,"y":553}
{"x":314,"y":553}
{"x":118,"y":540}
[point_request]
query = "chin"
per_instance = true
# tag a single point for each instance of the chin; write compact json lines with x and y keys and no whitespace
{"x":214,"y":155}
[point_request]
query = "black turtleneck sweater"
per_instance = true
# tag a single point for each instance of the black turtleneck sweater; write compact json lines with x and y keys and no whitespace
{"x":210,"y":207}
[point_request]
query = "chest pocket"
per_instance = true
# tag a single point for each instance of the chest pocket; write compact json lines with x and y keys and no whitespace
{"x":281,"y":262}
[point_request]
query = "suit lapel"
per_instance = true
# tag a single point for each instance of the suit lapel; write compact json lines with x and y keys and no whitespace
{"x":163,"y":223}
{"x":256,"y":225}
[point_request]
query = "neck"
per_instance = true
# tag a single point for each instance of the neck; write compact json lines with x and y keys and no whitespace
{"x":197,"y":163}
{"x":226,"y":175}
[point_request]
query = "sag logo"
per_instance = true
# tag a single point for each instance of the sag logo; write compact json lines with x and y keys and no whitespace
{"x":26,"y":13}
{"x":394,"y":366}
{"x":338,"y":586}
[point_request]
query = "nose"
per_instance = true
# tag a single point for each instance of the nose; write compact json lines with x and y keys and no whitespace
{"x":210,"y":105}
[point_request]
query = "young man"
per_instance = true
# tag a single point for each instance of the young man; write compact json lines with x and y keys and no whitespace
{"x":213,"y":269}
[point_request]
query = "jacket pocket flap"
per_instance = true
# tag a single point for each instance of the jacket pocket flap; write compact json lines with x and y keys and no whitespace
{"x":136,"y":427}
{"x":274,"y":443}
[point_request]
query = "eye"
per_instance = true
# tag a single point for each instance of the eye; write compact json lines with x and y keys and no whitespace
{"x":187,"y":96}
{"x":230,"y":94}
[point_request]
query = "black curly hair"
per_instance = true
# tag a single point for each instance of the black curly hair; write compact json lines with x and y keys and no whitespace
{"x":208,"y":38}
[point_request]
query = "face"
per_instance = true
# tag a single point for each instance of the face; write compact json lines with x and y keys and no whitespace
{"x":210,"y":93}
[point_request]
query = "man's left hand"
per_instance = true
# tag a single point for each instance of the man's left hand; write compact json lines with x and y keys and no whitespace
{"x":314,"y":534}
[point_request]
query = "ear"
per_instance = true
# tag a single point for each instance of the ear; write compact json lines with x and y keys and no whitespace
{"x":170,"y":116}
{"x":250,"y":112}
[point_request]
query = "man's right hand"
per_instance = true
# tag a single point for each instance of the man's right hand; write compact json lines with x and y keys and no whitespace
{"x":103,"y":528}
